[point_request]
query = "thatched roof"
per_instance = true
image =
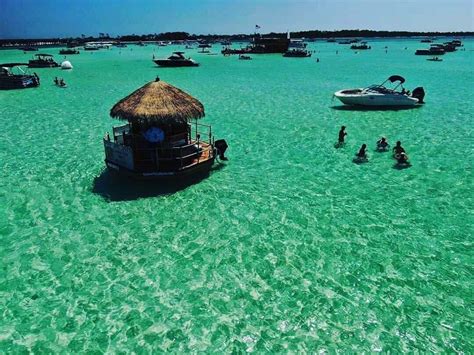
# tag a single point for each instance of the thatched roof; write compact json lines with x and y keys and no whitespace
{"x":160,"y":103}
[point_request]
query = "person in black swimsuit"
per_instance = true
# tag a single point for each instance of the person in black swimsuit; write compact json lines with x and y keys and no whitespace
{"x":398,"y":149}
{"x":342,"y":134}
{"x":362,"y":153}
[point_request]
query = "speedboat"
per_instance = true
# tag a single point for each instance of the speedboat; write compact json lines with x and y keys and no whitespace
{"x":379,"y":95}
{"x":43,"y":61}
{"x":13,"y":76}
{"x":435,"y":59}
{"x":177,"y":59}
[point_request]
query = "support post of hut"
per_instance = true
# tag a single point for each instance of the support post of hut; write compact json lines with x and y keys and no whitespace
{"x":196,"y":128}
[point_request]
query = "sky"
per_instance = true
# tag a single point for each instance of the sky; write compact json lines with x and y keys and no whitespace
{"x":71,"y":18}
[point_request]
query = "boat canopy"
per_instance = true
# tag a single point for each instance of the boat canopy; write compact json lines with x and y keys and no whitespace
{"x":11,"y":65}
{"x":394,"y":78}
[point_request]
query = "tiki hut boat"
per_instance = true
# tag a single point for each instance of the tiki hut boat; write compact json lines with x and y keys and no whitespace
{"x":162,"y":138}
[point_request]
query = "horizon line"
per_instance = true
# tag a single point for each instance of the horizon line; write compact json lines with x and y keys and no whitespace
{"x":416,"y":33}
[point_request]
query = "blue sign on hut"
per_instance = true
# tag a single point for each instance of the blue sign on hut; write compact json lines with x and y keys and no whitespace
{"x":162,"y":137}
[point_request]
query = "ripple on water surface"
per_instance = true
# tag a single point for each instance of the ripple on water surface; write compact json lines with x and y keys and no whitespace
{"x":288,"y":247}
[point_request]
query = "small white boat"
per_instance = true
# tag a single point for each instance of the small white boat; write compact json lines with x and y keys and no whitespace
{"x":379,"y":95}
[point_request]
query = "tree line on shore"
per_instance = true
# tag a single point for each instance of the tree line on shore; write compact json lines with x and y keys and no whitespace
{"x":183,"y":36}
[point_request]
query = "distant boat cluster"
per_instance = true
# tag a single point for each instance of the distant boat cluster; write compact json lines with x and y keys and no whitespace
{"x":437,"y":49}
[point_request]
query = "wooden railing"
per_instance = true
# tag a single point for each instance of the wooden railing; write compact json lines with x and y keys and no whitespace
{"x":163,"y":157}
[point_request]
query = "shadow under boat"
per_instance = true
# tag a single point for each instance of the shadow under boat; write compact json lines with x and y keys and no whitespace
{"x":375,"y":108}
{"x":115,"y":187}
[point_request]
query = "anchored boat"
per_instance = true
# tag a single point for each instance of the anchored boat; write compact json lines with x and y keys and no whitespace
{"x":379,"y":95}
{"x":433,"y":50}
{"x":361,"y":46}
{"x":177,"y":59}
{"x":297,"y":53}
{"x":42,"y":61}
{"x":16,"y":76}
{"x":68,"y":51}
{"x":162,"y":139}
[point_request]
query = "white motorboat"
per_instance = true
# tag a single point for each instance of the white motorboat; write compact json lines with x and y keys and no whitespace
{"x":379,"y":95}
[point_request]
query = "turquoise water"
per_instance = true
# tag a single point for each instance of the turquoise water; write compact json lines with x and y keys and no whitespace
{"x":289,"y":246}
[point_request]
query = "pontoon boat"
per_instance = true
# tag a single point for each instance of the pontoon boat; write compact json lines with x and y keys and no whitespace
{"x":43,"y":61}
{"x":297,"y":53}
{"x":13,"y":76}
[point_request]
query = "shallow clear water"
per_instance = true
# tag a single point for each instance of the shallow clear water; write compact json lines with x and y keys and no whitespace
{"x":289,"y":246}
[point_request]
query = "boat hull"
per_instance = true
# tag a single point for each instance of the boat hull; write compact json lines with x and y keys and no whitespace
{"x":175,"y":63}
{"x":429,"y":52}
{"x":42,"y":65}
{"x":68,"y":52}
{"x":297,"y":55}
{"x":354,"y":97}
{"x":18,"y":82}
{"x":185,"y":173}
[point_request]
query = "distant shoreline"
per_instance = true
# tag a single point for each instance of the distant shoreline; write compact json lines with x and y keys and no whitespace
{"x":184,"y":36}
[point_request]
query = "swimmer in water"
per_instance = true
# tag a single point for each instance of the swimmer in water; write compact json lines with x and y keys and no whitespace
{"x":362,"y":153}
{"x":382,"y":143}
{"x":398,"y":149}
{"x":342,"y":134}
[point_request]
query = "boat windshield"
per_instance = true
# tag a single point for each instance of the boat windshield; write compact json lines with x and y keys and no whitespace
{"x":177,"y":56}
{"x":380,"y":89}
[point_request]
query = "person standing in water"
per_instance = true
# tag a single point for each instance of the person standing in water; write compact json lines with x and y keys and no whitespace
{"x":342,"y":134}
{"x":398,"y":149}
{"x":362,"y":153}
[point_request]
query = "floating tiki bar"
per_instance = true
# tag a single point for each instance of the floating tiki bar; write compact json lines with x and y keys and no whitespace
{"x":162,"y":137}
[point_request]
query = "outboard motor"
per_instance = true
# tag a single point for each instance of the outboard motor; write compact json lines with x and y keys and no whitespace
{"x":419,"y":93}
{"x":221,"y":146}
